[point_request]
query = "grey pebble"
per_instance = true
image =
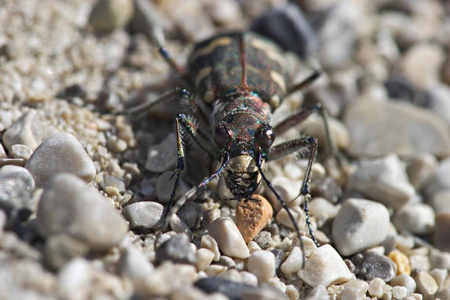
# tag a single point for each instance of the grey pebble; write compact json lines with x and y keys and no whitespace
{"x":371,"y":265}
{"x":416,"y":218}
{"x":60,"y":249}
{"x":162,"y":157}
{"x":226,"y":261}
{"x":440,"y":260}
{"x":440,"y":201}
{"x":133,"y":264}
{"x":143,"y":216}
{"x":178,"y":225}
{"x":108,"y":15}
{"x":165,"y":185}
{"x":421,"y":169}
{"x":426,"y":285}
{"x":370,"y":125}
{"x":232,"y":289}
{"x":16,"y":188}
{"x":20,"y":151}
{"x":440,"y":180}
{"x":69,"y":206}
{"x":228,"y":237}
{"x":177,"y":249}
{"x":60,"y":153}
{"x":26,"y":131}
{"x":189,"y":213}
{"x":325,"y":267}
{"x":360,"y":224}
{"x":113,"y":181}
{"x":383,"y":180}
{"x":441,"y":229}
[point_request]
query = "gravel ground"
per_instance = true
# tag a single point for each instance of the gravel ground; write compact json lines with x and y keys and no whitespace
{"x":82,"y":189}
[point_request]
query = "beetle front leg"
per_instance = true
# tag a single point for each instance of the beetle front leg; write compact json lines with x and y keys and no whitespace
{"x":309,"y":144}
{"x":183,"y":122}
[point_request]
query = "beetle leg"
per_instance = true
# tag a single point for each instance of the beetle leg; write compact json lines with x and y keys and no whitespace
{"x":305,"y":83}
{"x":301,"y":116}
{"x":184,"y":124}
{"x":306,"y":145}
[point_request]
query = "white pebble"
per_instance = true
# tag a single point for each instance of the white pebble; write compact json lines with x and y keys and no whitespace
{"x":293,"y":262}
{"x":203,"y":257}
{"x":376,"y":287}
{"x":228,"y":237}
{"x":325,"y":267}
{"x":416,"y":218}
{"x":262,"y":264}
{"x":359,"y":225}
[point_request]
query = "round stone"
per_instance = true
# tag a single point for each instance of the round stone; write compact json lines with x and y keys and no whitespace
{"x":68,"y":206}
{"x":262,"y":264}
{"x":177,"y":250}
{"x":143,"y":216}
{"x":359,"y":225}
{"x":60,"y":153}
{"x":416,"y":218}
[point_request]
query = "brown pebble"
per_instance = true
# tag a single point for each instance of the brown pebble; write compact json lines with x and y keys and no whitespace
{"x":253,"y":216}
{"x":402,"y":262}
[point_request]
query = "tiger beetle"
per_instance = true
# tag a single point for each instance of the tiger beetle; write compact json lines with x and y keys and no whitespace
{"x":236,"y":80}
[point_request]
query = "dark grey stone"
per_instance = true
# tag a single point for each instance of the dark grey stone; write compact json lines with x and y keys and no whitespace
{"x":177,"y":250}
{"x":371,"y":265}
{"x":233,"y":290}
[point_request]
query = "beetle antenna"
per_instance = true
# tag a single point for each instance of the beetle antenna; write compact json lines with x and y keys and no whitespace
{"x":283,"y":204}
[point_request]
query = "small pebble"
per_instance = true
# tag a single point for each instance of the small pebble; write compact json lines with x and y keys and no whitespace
{"x":426,"y":285}
{"x":440,"y":201}
{"x":402,"y":262}
{"x":189,"y":213}
{"x":325,"y":267}
{"x":399,"y":292}
{"x":253,"y":216}
{"x":20,"y":151}
{"x":360,"y":224}
{"x":228,"y":237}
{"x":318,"y":292}
{"x":232,"y":289}
{"x":441,"y":229}
{"x":60,"y":153}
{"x":163,"y":156}
{"x":262,"y":264}
{"x":112,"y":181}
{"x":215,"y":270}
{"x":406,"y":281}
{"x":285,"y":188}
{"x":293,"y":262}
{"x":74,"y":279}
{"x":439,"y":181}
{"x":166,"y":279}
{"x":108,"y":15}
{"x":208,"y":242}
{"x":177,"y":250}
{"x":264,"y":292}
{"x":203,"y":258}
{"x":231,"y":274}
{"x":26,"y":131}
{"x":69,"y":206}
{"x":384,"y":180}
{"x":440,"y":276}
{"x":16,"y":188}
{"x":416,"y":218}
{"x":373,"y":265}
{"x":133,"y":264}
{"x":249,"y":278}
{"x":420,"y":169}
{"x":376,"y":287}
{"x":440,"y":260}
{"x":178,"y":225}
{"x":354,"y":289}
{"x":143,"y":216}
{"x":60,"y":249}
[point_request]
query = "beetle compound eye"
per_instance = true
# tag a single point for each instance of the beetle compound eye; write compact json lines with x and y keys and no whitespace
{"x":221,"y":136}
{"x":265,"y":137}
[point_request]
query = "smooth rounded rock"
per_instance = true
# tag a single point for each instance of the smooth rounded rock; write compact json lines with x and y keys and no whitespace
{"x":426,"y":285}
{"x":293,"y":262}
{"x":108,"y":15}
{"x":325,"y":267}
{"x":416,"y":218}
{"x":383,"y":180}
{"x":262,"y":264}
{"x":133,"y":264}
{"x":404,"y":280}
{"x":371,"y":265}
{"x":359,"y":225}
{"x":20,"y":151}
{"x":16,"y":187}
{"x":68,"y":206}
{"x":421,"y":169}
{"x":60,"y":249}
{"x":440,"y":180}
{"x":74,"y":279}
{"x":228,"y":237}
{"x":25,"y":131}
{"x":60,"y":153}
{"x":203,"y":258}
{"x":177,"y":249}
{"x":143,"y":216}
{"x":252,"y":216}
{"x":370,"y":126}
